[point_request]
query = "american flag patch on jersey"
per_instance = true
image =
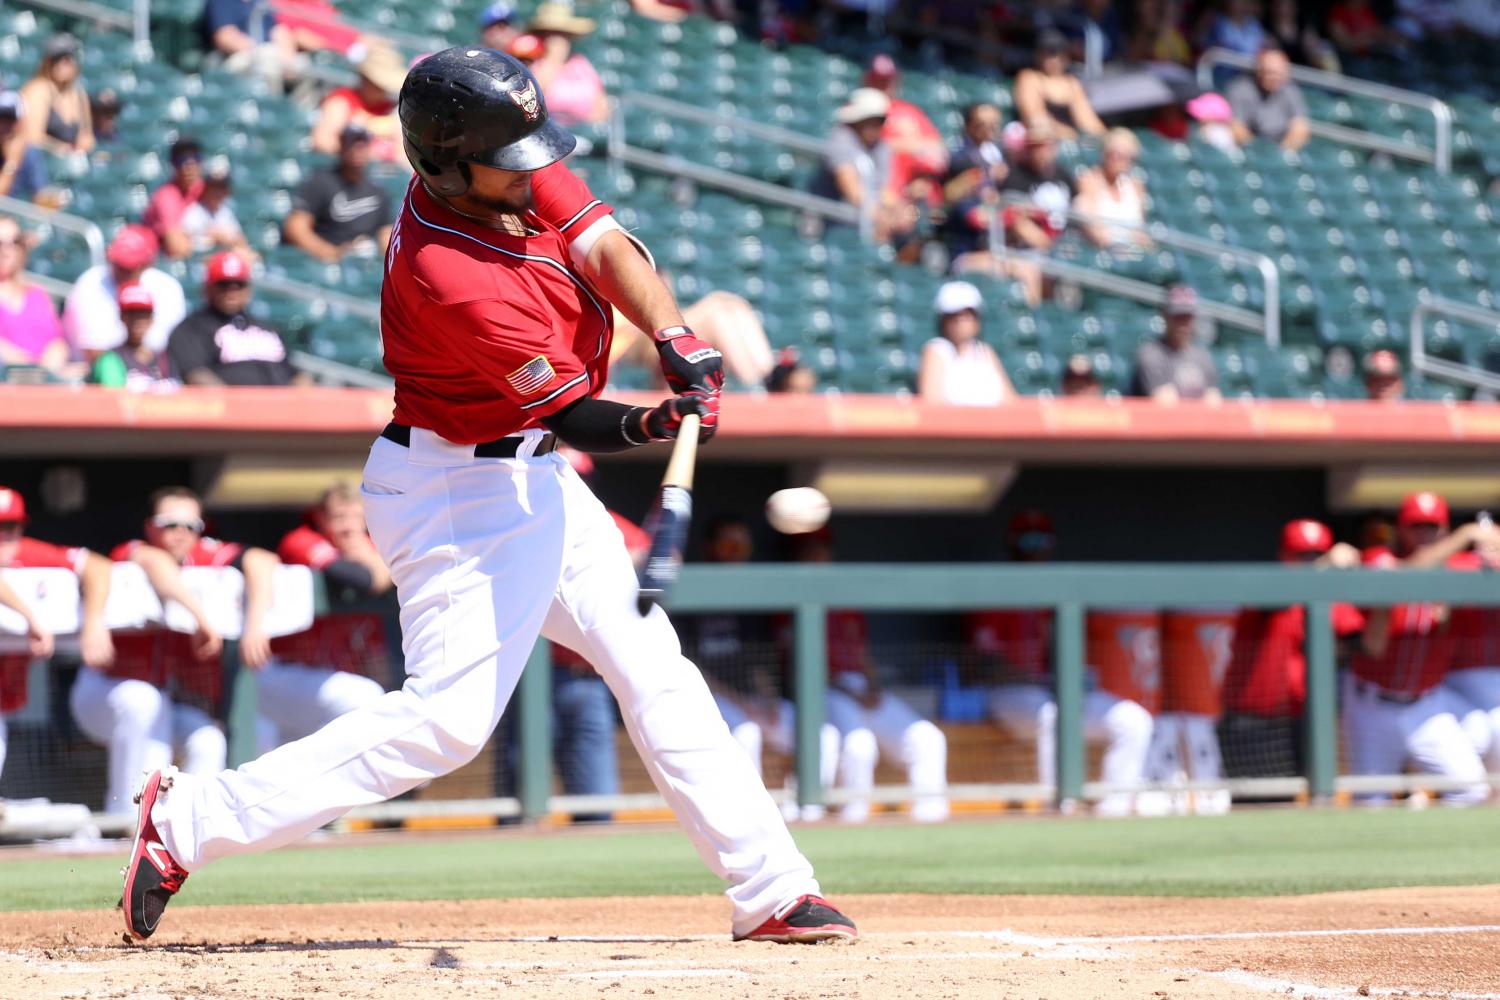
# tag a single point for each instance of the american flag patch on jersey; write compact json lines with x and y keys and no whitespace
{"x":532,"y":376}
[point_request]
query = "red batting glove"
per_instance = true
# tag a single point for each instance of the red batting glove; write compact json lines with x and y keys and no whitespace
{"x":665,"y":422}
{"x":687,"y":362}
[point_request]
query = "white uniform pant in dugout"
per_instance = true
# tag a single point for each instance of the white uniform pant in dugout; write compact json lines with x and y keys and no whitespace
{"x":486,"y":553}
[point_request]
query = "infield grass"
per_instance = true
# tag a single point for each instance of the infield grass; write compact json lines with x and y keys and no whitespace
{"x":1249,"y":853}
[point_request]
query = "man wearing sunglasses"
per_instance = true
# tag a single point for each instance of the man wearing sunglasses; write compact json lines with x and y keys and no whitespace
{"x":1014,"y":648}
{"x":17,"y":551}
{"x":220,"y":344}
{"x":161,"y":698}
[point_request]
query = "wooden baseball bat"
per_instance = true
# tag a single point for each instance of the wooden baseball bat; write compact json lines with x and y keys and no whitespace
{"x":669,"y":520}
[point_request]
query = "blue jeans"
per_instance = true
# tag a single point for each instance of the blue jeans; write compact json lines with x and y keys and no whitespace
{"x":583,"y":736}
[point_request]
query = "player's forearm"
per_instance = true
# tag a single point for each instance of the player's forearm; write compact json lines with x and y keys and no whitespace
{"x":600,"y":426}
{"x":93,"y":586}
{"x":165,"y":577}
{"x":618,"y":268}
{"x":1440,"y":551}
{"x":259,"y":567}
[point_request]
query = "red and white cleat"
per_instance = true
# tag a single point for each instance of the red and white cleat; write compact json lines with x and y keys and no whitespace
{"x":805,"y":920}
{"x":152,"y":875}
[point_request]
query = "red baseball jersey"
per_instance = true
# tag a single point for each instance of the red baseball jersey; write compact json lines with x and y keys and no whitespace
{"x":1020,"y":637}
{"x":32,"y":553}
{"x":637,"y":543}
{"x":349,"y":641}
{"x":1267,"y":673}
{"x":1124,"y":650}
{"x":161,"y":656}
{"x":1195,"y":653}
{"x":1475,"y":630}
{"x":485,"y":332}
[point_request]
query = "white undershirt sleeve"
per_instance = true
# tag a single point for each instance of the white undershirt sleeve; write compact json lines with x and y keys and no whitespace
{"x":578,"y":250}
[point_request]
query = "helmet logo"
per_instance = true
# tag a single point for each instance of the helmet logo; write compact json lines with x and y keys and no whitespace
{"x":527,"y":101}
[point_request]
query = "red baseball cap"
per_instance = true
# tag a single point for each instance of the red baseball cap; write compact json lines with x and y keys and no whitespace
{"x":881,"y":71}
{"x":1305,"y":535}
{"x":526,"y":48}
{"x":133,"y":247}
{"x":227,"y":265}
{"x":12,"y":507}
{"x":134,"y":296}
{"x":1425,"y":507}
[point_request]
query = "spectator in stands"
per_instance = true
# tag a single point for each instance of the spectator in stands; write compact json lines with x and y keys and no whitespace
{"x":1269,"y":105}
{"x":497,"y":26}
{"x":315,"y":676}
{"x":1383,"y":381}
{"x":339,"y":210}
{"x":1176,"y":366}
{"x":30,"y":333}
{"x":91,"y":317}
{"x":1051,"y":95}
{"x":722,"y":319}
{"x":1156,"y":37}
{"x":133,"y":365}
{"x":917,"y":150}
{"x":1012,"y":653}
{"x":163,"y":213}
{"x":57,"y":117}
{"x":1049,"y":192}
{"x":790,"y":375}
{"x":570,"y":84}
{"x":957,"y":366}
{"x":1079,"y":377}
{"x":976,"y":169}
{"x":1265,"y":685}
{"x":23,"y":169}
{"x":17,"y":551}
{"x":679,"y":10}
{"x":210,"y":223}
{"x":128,"y":710}
{"x":1114,"y":197}
{"x":1357,"y":30}
{"x":871,"y":721}
{"x":243,"y":35}
{"x":370,"y":104}
{"x":1394,"y":706}
{"x":105,"y":107}
{"x":857,"y":166}
{"x":315,"y":26}
{"x":1419,"y":19}
{"x":1237,"y":28}
{"x":1215,"y":120}
{"x":220,"y":345}
{"x":1295,"y":35}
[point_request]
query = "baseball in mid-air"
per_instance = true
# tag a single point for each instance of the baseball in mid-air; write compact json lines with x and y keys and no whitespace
{"x":798,"y":510}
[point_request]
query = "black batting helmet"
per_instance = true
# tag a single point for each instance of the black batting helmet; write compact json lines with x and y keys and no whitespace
{"x":475,"y":105}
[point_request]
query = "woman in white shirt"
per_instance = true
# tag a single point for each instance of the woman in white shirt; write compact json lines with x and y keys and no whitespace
{"x":1114,"y":197}
{"x":958,"y":367}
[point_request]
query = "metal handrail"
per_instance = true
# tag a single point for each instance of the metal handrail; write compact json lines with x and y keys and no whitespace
{"x":317,"y":293}
{"x":741,"y":126}
{"x":1439,"y":155}
{"x":1267,"y":322}
{"x":96,"y":12}
{"x":1450,"y":370}
{"x":91,"y":233}
{"x":620,"y":151}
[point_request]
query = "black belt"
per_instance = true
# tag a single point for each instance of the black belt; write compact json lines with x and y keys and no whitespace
{"x":505,"y":447}
{"x":1390,"y":697}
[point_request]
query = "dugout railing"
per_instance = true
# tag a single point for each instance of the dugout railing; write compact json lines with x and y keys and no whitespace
{"x":806,"y":593}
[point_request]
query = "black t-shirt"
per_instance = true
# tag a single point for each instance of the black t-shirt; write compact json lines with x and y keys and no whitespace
{"x":343,"y":210}
{"x":1053,"y":195}
{"x":232,"y":347}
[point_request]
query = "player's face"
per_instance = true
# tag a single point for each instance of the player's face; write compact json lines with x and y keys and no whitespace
{"x":499,"y":190}
{"x":343,"y":519}
{"x":176,"y":526}
{"x":1414,"y":536}
{"x":731,"y":544}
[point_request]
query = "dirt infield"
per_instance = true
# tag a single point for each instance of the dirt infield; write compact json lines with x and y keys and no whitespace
{"x":1402,"y":942}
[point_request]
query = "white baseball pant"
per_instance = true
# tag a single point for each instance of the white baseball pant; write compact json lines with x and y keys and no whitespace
{"x":139,"y":725}
{"x":296,"y":700}
{"x":1379,"y":736}
{"x":1123,"y":725}
{"x":893,"y":728}
{"x":487,"y":553}
{"x":1479,"y":687}
{"x":1186,"y":745}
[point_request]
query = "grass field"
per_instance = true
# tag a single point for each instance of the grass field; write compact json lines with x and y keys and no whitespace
{"x":1249,"y":853}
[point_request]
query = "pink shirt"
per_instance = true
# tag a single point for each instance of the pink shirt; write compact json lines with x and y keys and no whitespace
{"x":168,"y":203}
{"x":574,"y":91}
{"x":33,"y":326}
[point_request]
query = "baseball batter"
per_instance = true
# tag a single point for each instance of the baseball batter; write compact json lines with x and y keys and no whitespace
{"x":496,"y":325}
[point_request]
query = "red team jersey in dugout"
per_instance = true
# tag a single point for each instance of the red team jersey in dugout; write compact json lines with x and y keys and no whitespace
{"x":343,"y":640}
{"x":484,"y":332}
{"x":1475,"y":631}
{"x":31,"y":553}
{"x":161,"y":657}
{"x":1021,"y":638}
{"x":1268,"y":670}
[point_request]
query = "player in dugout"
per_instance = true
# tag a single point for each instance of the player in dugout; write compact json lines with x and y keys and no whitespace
{"x":1395,"y":705}
{"x":18,"y":551}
